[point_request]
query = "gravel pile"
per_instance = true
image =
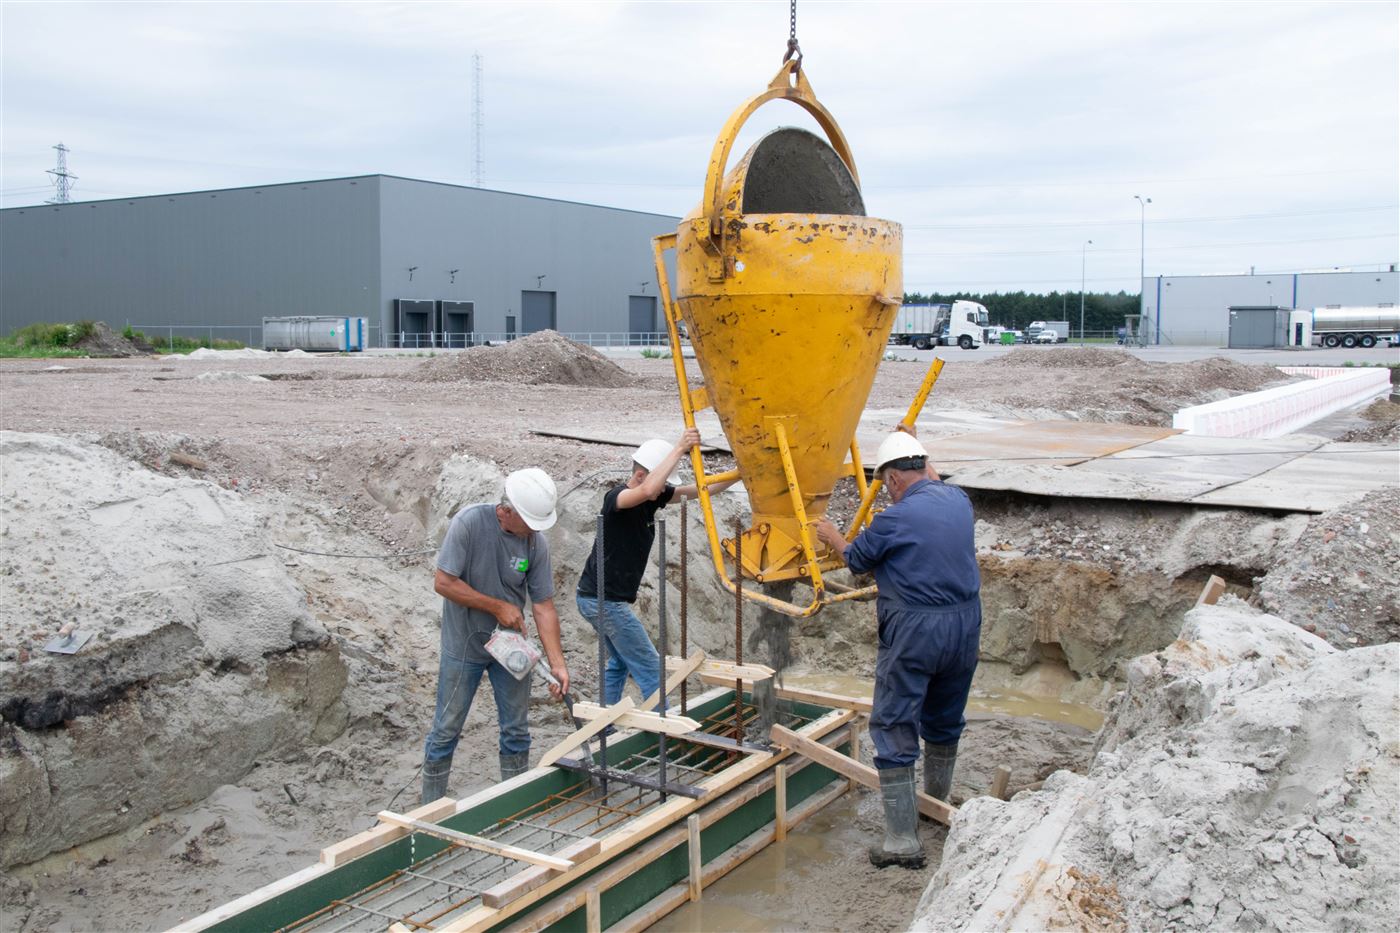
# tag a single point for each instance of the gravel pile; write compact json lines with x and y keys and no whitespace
{"x":542,"y":358}
{"x":1384,"y":416}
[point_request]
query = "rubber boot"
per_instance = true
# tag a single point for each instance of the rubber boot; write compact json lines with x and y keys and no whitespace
{"x":938,"y":769}
{"x":435,"y":779}
{"x":511,"y":765}
{"x":901,"y":846}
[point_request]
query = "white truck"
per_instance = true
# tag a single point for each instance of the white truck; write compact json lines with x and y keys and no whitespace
{"x":1336,"y":325}
{"x":1038,"y":328}
{"x":962,"y":323}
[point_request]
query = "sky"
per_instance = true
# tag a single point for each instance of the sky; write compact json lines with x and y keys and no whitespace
{"x":1003,"y":136}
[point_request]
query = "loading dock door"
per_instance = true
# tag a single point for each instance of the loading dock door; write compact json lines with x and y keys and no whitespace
{"x":641,"y":319}
{"x":537,"y":312}
{"x":456,"y":322}
{"x":413,"y":322}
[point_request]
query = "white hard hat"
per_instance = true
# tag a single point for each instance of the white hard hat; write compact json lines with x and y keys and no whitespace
{"x":532,"y":494}
{"x":898,"y":446}
{"x":650,"y":455}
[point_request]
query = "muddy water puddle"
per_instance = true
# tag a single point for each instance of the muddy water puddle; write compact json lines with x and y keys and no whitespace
{"x":981,"y":703}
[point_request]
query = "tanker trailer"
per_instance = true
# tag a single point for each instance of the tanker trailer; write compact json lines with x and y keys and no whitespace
{"x":1356,"y":326}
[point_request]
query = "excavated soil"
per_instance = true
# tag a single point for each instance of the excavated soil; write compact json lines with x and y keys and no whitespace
{"x":1384,"y":416}
{"x":541,"y":358}
{"x":350,"y":467}
{"x":105,"y":342}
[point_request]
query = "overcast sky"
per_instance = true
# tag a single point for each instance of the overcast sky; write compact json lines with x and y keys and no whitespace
{"x":1003,"y":136}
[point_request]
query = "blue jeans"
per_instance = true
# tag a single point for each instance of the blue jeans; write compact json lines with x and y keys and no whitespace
{"x":630,"y":650}
{"x":923,"y":673}
{"x":458,"y":679}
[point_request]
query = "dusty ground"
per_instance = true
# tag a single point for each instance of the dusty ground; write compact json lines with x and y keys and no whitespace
{"x":355,"y":456}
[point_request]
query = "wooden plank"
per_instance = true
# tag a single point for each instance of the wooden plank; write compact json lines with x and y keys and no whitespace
{"x":520,"y":883}
{"x":384,"y":833}
{"x":649,"y":913}
{"x":697,"y":657}
{"x":855,"y":746}
{"x":1213,"y":590}
{"x":615,"y":712}
{"x":569,"y":901}
{"x":928,"y":806}
{"x":1000,"y":781}
{"x":480,"y":843}
{"x":822,"y":698}
{"x":692,"y":825}
{"x":780,"y":802}
{"x":712,"y":670}
{"x":668,"y":814}
{"x":593,"y":911}
{"x":636,"y":719}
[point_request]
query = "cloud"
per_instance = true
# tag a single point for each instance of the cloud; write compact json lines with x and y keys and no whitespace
{"x":1043,"y":118}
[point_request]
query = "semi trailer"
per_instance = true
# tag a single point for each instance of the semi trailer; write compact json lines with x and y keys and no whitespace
{"x":961,"y":323}
{"x":1342,"y":326}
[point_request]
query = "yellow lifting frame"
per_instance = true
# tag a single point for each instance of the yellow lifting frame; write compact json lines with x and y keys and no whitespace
{"x":688,"y":397}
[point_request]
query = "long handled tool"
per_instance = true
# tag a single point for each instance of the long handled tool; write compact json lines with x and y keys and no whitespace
{"x":518,"y":655}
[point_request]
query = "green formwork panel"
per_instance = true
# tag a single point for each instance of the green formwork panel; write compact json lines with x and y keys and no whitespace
{"x":617,"y":902}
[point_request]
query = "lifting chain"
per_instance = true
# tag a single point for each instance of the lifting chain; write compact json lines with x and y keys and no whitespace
{"x":792,"y":47}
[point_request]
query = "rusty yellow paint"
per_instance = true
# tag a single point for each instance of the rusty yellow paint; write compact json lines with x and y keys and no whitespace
{"x":789,"y":315}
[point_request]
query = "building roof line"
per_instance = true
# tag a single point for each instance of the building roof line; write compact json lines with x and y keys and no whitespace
{"x":322,"y":181}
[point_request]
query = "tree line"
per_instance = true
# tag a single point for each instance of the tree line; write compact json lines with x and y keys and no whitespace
{"x":1103,"y":311}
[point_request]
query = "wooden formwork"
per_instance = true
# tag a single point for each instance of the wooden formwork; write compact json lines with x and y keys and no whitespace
{"x":551,"y":849}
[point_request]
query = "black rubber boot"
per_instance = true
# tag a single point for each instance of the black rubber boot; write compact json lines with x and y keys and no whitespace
{"x":938,"y":769}
{"x":901,"y":846}
{"x":435,"y":775}
{"x":511,"y":765}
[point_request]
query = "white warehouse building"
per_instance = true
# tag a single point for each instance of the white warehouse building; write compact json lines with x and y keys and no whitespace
{"x":1194,"y":310}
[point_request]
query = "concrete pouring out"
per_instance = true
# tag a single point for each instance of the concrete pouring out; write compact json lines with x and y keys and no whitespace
{"x":242,"y":704}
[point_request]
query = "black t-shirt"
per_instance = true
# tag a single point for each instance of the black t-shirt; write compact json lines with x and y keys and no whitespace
{"x":627,"y":538}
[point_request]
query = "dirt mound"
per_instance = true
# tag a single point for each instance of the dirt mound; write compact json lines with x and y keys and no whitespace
{"x":1064,"y":358}
{"x":1341,"y":579}
{"x":103,"y":341}
{"x":1095,"y":384}
{"x":542,"y":358}
{"x":1384,"y":416}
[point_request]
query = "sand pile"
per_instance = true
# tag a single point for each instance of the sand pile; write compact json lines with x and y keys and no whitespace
{"x":542,"y":358}
{"x":1247,"y":779}
{"x":205,"y":656}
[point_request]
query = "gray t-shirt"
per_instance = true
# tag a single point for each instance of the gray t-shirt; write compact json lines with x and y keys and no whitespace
{"x":495,"y":563}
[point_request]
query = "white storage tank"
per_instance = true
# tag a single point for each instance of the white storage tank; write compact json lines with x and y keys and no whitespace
{"x":315,"y":333}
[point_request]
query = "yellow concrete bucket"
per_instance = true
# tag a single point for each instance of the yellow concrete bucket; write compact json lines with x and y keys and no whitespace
{"x":788,"y":293}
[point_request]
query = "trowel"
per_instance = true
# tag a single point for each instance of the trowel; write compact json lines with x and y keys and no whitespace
{"x":69,"y":640}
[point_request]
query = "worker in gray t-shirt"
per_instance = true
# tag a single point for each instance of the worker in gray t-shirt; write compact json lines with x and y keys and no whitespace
{"x":492,"y":560}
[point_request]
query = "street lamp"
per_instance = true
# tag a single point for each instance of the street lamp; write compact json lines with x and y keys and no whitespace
{"x":1142,"y":268}
{"x":1083,"y":263}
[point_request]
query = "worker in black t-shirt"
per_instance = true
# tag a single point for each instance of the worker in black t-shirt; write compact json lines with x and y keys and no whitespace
{"x":629,"y":510}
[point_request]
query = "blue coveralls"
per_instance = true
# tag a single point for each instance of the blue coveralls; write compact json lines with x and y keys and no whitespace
{"x":930,"y":618}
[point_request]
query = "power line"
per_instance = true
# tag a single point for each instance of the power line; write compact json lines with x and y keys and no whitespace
{"x":1061,"y":252}
{"x":1152,"y":223}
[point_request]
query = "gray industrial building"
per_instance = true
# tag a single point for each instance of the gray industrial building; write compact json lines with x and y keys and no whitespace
{"x":427,"y":264}
{"x":1195,"y":309}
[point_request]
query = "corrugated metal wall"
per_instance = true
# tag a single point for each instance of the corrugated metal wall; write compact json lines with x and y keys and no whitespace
{"x":1195,"y":308}
{"x":340,"y":246}
{"x":503,"y":245}
{"x":202,"y":259}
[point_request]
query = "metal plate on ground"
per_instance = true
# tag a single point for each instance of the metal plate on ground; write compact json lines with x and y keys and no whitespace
{"x":71,"y":643}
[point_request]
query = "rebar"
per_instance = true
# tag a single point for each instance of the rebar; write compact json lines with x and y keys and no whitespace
{"x":599,"y":561}
{"x":685,"y":597}
{"x":738,"y":624}
{"x":661,"y":622}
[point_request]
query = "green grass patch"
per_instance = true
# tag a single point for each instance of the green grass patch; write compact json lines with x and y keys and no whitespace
{"x":177,"y":344}
{"x":11,"y":349}
{"x":651,"y":353}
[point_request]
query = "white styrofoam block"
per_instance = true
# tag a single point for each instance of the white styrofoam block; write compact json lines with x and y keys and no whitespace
{"x":1277,"y":411}
{"x":1314,"y":372}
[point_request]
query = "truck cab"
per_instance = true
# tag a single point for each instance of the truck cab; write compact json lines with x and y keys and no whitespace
{"x":967,"y":325}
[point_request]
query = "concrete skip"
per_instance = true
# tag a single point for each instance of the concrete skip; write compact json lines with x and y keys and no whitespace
{"x":1280,"y":410}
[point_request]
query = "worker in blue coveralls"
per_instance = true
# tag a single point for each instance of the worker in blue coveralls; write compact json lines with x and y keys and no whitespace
{"x":930,"y":619}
